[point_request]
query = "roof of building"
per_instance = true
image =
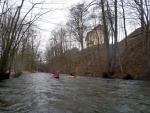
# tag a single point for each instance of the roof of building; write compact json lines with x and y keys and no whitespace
{"x":136,"y":32}
{"x":100,"y":27}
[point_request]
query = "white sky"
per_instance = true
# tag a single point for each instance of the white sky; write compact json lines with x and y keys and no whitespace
{"x":58,"y":15}
{"x":58,"y":12}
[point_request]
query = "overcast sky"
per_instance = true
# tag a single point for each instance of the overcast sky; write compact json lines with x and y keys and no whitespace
{"x":58,"y":15}
{"x":59,"y":11}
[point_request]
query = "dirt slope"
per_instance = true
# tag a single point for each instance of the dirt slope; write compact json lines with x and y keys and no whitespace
{"x":89,"y":63}
{"x":134,"y":61}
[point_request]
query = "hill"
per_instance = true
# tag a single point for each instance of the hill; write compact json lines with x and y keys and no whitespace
{"x":90,"y":62}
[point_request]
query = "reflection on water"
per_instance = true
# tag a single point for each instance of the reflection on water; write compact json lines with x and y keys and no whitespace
{"x":41,"y":93}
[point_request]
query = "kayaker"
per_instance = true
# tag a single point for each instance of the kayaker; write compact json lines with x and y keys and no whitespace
{"x":57,"y":73}
{"x":72,"y":74}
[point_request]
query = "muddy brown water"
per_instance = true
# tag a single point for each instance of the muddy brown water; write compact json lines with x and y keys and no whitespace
{"x":41,"y":93}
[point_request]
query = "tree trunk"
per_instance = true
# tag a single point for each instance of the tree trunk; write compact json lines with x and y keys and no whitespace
{"x":124,"y":24}
{"x":115,"y":36}
{"x":106,"y":39}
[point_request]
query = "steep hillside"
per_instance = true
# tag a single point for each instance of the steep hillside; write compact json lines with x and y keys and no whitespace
{"x":89,"y":63}
{"x":134,"y":61}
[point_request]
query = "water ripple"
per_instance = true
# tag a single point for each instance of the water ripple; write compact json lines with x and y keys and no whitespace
{"x":41,"y":93}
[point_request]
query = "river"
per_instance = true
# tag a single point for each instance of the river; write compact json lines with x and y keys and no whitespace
{"x":41,"y":93}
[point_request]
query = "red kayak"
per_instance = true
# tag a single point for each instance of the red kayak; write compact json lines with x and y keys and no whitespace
{"x":55,"y":76}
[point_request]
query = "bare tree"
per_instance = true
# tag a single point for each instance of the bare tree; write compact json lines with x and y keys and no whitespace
{"x":106,"y":38}
{"x":124,"y":23}
{"x":115,"y":36}
{"x":14,"y":27}
{"x":77,"y":20}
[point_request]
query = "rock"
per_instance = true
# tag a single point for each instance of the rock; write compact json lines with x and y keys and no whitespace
{"x":4,"y":76}
{"x":16,"y":75}
{"x":107,"y":74}
{"x":128,"y":77}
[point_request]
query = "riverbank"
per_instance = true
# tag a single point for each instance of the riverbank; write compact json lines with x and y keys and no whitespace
{"x":16,"y":75}
{"x":131,"y":62}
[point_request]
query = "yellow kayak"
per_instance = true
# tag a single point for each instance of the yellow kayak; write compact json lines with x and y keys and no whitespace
{"x":72,"y":76}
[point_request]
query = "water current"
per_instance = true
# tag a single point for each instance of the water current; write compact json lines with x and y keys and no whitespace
{"x":41,"y":93}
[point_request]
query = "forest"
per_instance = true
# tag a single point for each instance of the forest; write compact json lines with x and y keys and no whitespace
{"x":119,"y":49}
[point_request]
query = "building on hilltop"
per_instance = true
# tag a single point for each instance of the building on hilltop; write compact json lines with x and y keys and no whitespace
{"x":95,"y":36}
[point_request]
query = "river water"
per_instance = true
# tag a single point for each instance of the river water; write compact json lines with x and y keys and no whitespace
{"x":41,"y":93}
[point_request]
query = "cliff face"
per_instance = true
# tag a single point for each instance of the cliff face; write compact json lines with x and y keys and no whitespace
{"x":134,"y":61}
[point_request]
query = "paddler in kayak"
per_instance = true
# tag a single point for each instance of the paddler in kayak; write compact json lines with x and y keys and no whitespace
{"x":57,"y":73}
{"x":72,"y":75}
